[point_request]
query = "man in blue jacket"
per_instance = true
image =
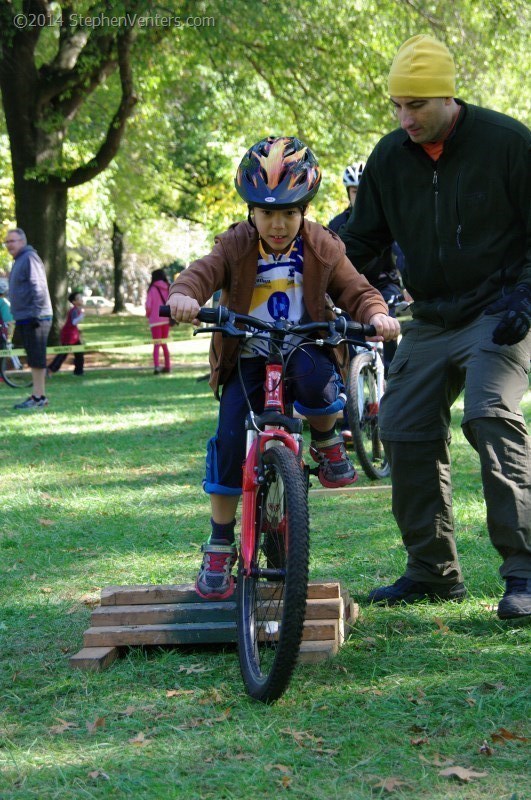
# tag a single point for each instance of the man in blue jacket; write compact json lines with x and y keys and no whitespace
{"x":32,"y":310}
{"x":451,"y":185}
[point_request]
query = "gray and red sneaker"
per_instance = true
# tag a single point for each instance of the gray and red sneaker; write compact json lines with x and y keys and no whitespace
{"x":335,"y":467}
{"x":214,"y":580}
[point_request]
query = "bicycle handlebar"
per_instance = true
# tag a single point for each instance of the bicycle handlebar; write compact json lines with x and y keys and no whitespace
{"x":223,"y":319}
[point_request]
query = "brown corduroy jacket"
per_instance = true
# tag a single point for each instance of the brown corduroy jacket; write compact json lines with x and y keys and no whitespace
{"x":231,"y":267}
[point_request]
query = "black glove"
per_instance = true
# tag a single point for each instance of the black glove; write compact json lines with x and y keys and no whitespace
{"x":35,"y":322}
{"x":516,"y":321}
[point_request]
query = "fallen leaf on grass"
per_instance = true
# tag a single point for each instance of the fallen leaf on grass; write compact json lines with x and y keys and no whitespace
{"x":442,"y":627}
{"x":194,"y":669}
{"x":486,"y":749}
{"x":99,"y":722}
{"x":130,"y":710}
{"x":437,"y":761}
{"x":280,"y":767}
{"x":89,"y":601}
{"x":491,"y":687}
{"x":199,"y":722}
{"x":470,"y":701}
{"x":284,"y":782}
{"x":389,"y":784}
{"x":46,"y":521}
{"x":139,"y":740}
{"x":503,"y":734}
{"x":303,"y":738}
{"x":419,"y":699}
{"x":45,"y":590}
{"x":98,"y":773}
{"x":462,"y":774}
{"x":212,"y":696}
{"x":179,"y":692}
{"x":62,"y":727}
{"x":419,"y":742}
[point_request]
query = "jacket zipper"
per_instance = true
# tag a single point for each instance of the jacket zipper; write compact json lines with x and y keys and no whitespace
{"x":436,"y":190}
{"x":459,"y":228}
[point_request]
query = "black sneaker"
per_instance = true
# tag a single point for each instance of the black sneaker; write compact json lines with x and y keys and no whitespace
{"x":516,"y":602}
{"x":405,"y":590}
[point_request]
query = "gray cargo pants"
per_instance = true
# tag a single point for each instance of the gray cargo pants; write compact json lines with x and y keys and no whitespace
{"x":431,"y":368}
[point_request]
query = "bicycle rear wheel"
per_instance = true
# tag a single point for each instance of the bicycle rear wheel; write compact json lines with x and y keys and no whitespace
{"x":363,"y":405}
{"x":15,"y":371}
{"x":272,"y":599}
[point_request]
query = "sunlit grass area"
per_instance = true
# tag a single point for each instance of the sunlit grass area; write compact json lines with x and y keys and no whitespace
{"x":104,"y":488}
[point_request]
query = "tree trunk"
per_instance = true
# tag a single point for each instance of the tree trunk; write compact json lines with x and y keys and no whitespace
{"x":118,"y":255}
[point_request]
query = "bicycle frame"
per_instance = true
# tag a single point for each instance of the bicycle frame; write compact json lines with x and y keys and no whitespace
{"x":257,"y":442}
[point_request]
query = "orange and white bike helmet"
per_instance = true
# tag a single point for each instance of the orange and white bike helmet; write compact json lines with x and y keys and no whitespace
{"x":277,"y":173}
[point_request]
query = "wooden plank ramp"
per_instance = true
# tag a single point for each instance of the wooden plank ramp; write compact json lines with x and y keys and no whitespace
{"x":173,"y":614}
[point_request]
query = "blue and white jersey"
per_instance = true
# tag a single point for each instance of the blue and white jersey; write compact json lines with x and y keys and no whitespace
{"x":278,"y":291}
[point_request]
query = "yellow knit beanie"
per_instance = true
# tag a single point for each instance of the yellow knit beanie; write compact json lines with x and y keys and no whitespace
{"x":423,"y":67}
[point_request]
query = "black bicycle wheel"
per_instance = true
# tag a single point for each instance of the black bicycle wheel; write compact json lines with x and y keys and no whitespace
{"x":272,"y":600}
{"x":363,"y":404}
{"x":15,"y":371}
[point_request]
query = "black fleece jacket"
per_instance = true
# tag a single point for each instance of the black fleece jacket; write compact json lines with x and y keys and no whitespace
{"x":463,"y":222}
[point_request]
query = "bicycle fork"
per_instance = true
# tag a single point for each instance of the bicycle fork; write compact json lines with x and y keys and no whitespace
{"x":258,"y":441}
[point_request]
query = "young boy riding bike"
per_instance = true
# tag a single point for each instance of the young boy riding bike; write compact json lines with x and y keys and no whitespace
{"x":275,"y":265}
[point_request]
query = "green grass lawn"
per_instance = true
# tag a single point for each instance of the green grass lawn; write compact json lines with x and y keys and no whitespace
{"x":104,"y":488}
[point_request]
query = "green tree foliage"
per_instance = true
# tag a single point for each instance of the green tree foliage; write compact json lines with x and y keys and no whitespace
{"x":203,"y":92}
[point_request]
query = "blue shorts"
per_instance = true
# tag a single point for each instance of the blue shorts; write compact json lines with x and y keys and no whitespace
{"x":314,"y":386}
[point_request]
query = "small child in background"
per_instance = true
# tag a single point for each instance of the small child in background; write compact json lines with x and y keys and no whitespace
{"x":70,"y":334}
{"x":157,"y":295}
{"x":7,"y":322}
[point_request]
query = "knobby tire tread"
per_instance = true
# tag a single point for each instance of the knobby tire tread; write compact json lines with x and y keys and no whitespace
{"x":361,"y":365}
{"x":269,"y":687}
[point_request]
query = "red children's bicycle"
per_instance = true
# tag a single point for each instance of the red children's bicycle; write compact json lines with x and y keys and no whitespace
{"x":272,"y":577}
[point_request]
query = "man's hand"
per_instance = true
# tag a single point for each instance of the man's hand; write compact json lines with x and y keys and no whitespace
{"x":35,"y":322}
{"x":387,"y":327}
{"x":516,"y":321}
{"x":184,"y":308}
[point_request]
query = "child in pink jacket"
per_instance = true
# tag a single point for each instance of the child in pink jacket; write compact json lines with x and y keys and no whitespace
{"x":157,"y":295}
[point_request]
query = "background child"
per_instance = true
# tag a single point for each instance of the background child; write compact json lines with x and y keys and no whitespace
{"x":276,"y":264}
{"x":7,"y":322}
{"x":157,"y":295}
{"x":70,"y":334}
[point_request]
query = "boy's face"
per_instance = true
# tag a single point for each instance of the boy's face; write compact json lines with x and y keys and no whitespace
{"x":277,"y":228}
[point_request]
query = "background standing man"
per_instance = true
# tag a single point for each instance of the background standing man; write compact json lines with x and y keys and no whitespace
{"x":32,"y":310}
{"x":451,"y":185}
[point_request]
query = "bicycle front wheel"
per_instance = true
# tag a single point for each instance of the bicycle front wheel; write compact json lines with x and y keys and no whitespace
{"x":363,"y":403}
{"x":272,"y":599}
{"x":15,"y":371}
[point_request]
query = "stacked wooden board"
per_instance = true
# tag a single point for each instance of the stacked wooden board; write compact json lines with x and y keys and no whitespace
{"x":146,"y":615}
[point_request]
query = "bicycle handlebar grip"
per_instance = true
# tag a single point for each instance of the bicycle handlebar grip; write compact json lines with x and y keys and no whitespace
{"x":214,"y":316}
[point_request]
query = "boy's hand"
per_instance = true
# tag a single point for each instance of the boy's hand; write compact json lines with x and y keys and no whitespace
{"x":387,"y":327}
{"x":184,"y":308}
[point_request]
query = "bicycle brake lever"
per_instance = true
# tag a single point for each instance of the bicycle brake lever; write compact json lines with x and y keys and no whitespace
{"x":226,"y":330}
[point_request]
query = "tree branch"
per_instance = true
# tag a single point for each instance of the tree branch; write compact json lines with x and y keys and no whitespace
{"x":116,"y":129}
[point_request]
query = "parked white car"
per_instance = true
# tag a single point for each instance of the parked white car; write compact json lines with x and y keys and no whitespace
{"x":98,"y":305}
